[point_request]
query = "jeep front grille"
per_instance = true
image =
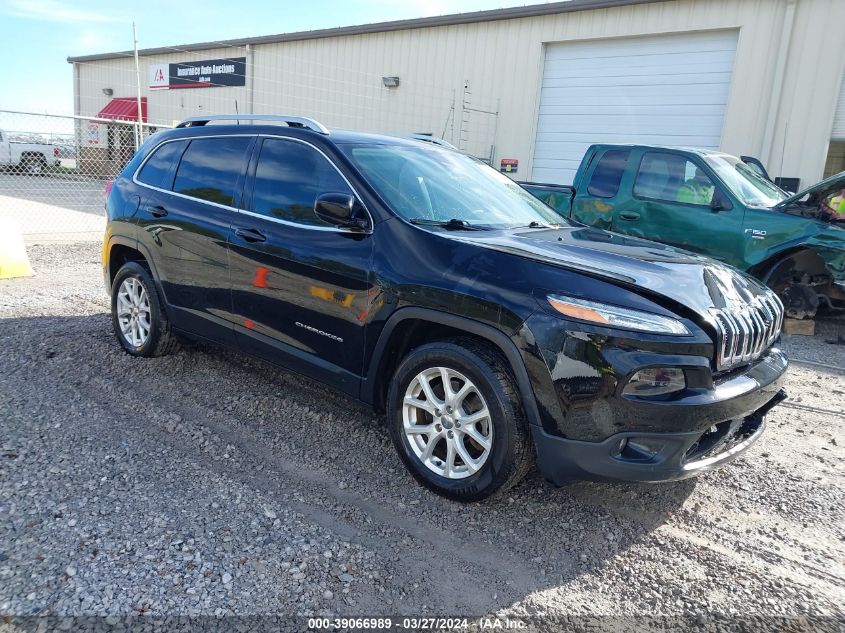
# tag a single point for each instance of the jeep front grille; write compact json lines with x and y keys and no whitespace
{"x":745,"y":332}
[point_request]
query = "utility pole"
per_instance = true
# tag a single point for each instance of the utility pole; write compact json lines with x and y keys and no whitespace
{"x":138,"y":86}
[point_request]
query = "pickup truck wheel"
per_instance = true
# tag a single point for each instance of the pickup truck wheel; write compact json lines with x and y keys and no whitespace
{"x":457,"y":421}
{"x":139,"y":321}
{"x":34,"y":166}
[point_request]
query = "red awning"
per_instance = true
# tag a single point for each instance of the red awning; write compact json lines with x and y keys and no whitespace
{"x":124,"y":109}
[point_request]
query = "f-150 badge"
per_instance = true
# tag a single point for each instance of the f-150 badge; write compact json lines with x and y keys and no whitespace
{"x":756,"y":234}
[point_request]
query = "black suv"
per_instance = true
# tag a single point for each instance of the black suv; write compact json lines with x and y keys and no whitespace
{"x":426,"y":284}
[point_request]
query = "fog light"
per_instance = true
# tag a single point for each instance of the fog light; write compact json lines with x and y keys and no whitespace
{"x":637,"y":449}
{"x":657,"y":381}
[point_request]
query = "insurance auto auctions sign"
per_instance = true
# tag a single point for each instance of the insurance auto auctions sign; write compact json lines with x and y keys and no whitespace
{"x":206,"y":73}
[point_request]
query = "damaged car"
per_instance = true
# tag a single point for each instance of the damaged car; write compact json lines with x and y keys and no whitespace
{"x":716,"y":204}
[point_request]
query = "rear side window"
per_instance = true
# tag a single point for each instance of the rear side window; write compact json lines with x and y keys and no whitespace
{"x":608,"y":174}
{"x":156,"y":172}
{"x":289,"y":177}
{"x":210,"y":168}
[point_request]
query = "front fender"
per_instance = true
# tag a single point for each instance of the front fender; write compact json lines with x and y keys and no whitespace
{"x":494,"y":335}
{"x":829,"y":245}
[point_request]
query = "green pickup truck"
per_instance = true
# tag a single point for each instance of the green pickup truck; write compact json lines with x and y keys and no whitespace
{"x":717,"y":205}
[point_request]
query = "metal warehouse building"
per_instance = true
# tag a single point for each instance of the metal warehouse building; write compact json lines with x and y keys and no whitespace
{"x":526,"y":88}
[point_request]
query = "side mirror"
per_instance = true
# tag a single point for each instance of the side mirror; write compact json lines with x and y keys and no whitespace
{"x":756,"y":165}
{"x":341,"y":209}
{"x":719,"y":202}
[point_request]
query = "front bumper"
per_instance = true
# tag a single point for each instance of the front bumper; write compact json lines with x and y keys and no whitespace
{"x":728,"y":419}
{"x":680,"y":456}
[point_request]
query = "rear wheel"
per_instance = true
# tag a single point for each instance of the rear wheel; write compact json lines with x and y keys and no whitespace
{"x":139,"y":321}
{"x":34,"y":165}
{"x":457,"y":421}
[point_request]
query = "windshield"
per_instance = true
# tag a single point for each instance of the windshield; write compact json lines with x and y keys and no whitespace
{"x":428,"y":184}
{"x":745,"y":183}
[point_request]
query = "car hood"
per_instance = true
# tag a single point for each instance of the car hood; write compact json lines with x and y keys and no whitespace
{"x":836,"y":181}
{"x":697,"y":282}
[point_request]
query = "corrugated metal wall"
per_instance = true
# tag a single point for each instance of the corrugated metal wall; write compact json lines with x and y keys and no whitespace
{"x":838,"y":133}
{"x":783,"y":95}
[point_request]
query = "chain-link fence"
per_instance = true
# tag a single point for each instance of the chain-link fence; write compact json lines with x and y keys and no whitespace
{"x":54,"y":170}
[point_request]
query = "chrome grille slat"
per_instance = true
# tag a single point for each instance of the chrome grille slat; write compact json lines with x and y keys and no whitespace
{"x":721,"y":340}
{"x":745,"y":332}
{"x":736,"y":336}
{"x":759,"y":331}
{"x":773,"y":321}
{"x":745,"y":353}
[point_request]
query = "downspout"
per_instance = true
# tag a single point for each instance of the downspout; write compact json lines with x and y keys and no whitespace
{"x":77,"y":97}
{"x":778,"y":81}
{"x":139,"y":138}
{"x":250,"y":78}
{"x":78,"y":125}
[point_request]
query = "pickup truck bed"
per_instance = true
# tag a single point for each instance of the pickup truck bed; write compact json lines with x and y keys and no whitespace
{"x":27,"y":158}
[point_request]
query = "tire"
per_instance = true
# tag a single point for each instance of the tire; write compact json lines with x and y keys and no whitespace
{"x":34,"y":166}
{"x":159,"y":340}
{"x":504,"y":430}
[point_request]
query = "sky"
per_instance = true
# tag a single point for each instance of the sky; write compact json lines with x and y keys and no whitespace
{"x":37,"y":36}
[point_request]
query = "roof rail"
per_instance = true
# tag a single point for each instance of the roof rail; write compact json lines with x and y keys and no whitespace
{"x":292,"y":121}
{"x":428,"y":137}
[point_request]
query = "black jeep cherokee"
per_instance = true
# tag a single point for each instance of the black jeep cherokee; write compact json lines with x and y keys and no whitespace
{"x":426,"y":284}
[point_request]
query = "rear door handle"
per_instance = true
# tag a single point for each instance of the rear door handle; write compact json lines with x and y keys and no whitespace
{"x":157,"y":211}
{"x":631,"y":217}
{"x":250,"y":235}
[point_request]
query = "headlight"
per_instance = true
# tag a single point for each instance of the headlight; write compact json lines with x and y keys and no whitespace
{"x":656,"y":381}
{"x":614,"y":316}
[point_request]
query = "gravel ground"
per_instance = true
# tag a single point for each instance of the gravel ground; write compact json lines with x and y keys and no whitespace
{"x":206,"y":483}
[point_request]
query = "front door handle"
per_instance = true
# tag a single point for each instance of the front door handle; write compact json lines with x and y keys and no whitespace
{"x":250,"y":235}
{"x":157,"y":211}
{"x":630,"y":217}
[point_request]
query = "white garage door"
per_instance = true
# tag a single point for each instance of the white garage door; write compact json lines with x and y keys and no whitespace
{"x":668,"y":90}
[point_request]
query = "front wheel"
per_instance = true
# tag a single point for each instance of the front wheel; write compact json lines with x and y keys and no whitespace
{"x":457,"y":421}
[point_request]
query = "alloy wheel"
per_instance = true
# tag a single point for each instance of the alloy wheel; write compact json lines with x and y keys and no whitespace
{"x":447,"y":423}
{"x":133,"y":311}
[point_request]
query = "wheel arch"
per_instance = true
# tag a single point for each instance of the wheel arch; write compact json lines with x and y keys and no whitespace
{"x":120,"y":253}
{"x":801,"y":257}
{"x":123,"y":245}
{"x":410,"y":327}
{"x":33,"y":154}
{"x":801,"y":278}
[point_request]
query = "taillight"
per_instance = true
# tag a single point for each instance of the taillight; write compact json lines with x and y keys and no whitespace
{"x":109,"y":185}
{"x":56,"y":152}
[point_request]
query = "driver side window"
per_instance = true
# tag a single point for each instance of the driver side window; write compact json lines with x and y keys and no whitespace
{"x":289,"y":177}
{"x":673,"y":178}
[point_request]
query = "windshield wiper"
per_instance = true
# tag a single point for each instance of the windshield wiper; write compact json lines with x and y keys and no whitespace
{"x":537,"y":225}
{"x":453,"y":225}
